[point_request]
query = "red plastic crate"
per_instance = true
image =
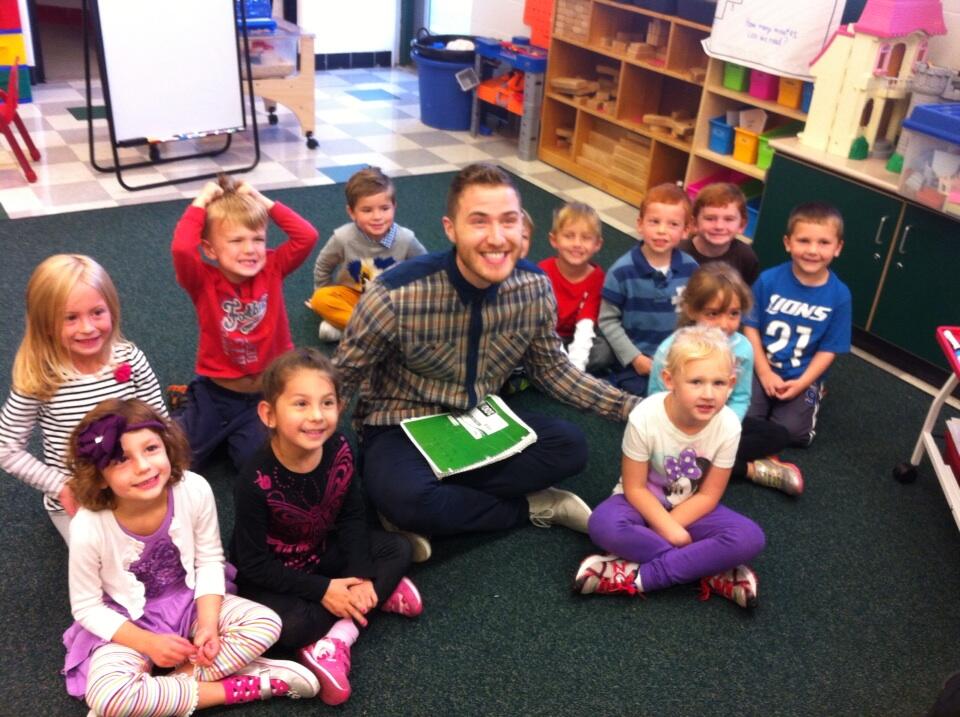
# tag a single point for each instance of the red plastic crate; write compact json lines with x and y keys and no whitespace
{"x":538,"y":14}
{"x":9,"y":15}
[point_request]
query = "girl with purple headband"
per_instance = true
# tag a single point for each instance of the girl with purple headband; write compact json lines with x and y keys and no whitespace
{"x":147,"y":583}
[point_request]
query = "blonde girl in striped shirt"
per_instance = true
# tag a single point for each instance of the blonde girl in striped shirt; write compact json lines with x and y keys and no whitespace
{"x":72,"y":356}
{"x":148,"y":584}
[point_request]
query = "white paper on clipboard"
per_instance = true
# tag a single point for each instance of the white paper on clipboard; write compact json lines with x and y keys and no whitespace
{"x":775,"y":37}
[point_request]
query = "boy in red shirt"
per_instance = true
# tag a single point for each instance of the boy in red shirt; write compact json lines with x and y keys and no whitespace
{"x":240,"y":309}
{"x":577,"y":281}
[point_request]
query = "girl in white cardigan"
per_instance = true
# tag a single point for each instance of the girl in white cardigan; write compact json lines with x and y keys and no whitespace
{"x":147,"y":580}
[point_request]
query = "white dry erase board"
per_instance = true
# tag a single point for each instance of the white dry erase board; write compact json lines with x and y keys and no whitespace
{"x":172,"y":68}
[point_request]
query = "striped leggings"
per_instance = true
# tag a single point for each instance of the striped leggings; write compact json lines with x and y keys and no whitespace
{"x":119,"y":683}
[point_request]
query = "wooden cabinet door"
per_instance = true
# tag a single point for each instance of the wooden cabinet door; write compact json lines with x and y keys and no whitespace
{"x":922,"y":288}
{"x":869,"y":217}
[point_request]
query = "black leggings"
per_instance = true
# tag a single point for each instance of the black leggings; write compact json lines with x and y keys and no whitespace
{"x":306,"y":621}
{"x":758,"y":439}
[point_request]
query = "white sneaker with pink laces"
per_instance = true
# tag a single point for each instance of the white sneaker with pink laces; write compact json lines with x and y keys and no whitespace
{"x":405,"y":600}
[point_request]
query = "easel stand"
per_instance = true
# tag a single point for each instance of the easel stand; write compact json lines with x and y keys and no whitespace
{"x":153,"y":146}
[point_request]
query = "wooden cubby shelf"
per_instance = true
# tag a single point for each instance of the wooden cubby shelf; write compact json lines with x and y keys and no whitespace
{"x":644,"y":63}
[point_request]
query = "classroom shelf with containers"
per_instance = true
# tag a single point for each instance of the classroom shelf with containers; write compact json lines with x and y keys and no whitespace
{"x":622,"y":92}
{"x":741,"y":110}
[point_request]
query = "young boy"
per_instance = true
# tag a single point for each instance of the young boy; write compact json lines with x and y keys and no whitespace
{"x":577,"y":281}
{"x":800,"y":321}
{"x":641,"y":290}
{"x":370,"y":243}
{"x":720,"y":214}
{"x":240,"y":309}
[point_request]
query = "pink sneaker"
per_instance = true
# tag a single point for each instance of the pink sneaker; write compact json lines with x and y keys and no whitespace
{"x":329,"y":659}
{"x":405,"y":599}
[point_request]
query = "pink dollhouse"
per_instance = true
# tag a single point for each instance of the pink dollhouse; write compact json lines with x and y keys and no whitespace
{"x":862,"y":75}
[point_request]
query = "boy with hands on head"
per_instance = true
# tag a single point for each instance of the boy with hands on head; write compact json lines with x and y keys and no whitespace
{"x":240,"y":308}
{"x":800,"y":321}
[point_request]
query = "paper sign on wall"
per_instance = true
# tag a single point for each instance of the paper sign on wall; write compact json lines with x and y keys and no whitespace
{"x":780,"y":38}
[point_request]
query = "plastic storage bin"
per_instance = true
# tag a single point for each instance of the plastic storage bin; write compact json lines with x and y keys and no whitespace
{"x":790,"y":92}
{"x":806,"y":95}
{"x":701,"y":11}
{"x":753,"y":213}
{"x":931,"y":167}
{"x":763,"y":85}
{"x":736,"y":77}
{"x":443,"y":104}
{"x":721,"y":136}
{"x":745,"y":145}
{"x":273,"y":53}
{"x":724,"y":175}
{"x":765,"y":151}
{"x":667,"y":7}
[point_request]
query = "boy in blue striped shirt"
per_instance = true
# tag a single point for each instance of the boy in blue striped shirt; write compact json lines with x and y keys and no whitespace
{"x":642,"y":288}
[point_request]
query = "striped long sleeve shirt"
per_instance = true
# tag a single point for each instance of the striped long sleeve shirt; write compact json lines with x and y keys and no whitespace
{"x":423,"y":340}
{"x":60,"y":414}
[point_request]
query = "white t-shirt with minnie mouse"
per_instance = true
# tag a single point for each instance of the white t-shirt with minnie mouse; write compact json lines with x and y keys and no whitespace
{"x":678,"y":461}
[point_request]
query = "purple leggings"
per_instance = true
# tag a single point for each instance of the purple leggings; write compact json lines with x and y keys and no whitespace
{"x":722,"y":539}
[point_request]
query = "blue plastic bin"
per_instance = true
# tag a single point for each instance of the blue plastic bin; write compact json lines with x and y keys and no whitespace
{"x":753,"y":213}
{"x":443,"y":105}
{"x":721,"y":136}
{"x":805,"y":96}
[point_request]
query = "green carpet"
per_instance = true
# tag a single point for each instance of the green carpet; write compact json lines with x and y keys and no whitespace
{"x":858,"y":583}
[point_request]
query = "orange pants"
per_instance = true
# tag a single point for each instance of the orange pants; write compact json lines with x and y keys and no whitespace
{"x":335,"y":304}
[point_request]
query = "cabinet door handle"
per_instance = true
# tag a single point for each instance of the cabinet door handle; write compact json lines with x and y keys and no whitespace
{"x":883,"y":221}
{"x":902,"y":249}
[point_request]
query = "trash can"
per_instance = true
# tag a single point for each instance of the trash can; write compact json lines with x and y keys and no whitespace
{"x":443,"y":103}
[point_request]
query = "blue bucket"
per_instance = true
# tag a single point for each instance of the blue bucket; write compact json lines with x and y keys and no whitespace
{"x":443,"y":105}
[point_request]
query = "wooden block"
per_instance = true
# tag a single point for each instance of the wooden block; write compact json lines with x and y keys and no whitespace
{"x":640,"y":50}
{"x":607,"y":144}
{"x":566,"y":132}
{"x":697,"y":74}
{"x":620,"y":46}
{"x":593,"y":165}
{"x":613,"y":72}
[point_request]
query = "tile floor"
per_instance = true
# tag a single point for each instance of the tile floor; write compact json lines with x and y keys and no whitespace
{"x":368,"y":116}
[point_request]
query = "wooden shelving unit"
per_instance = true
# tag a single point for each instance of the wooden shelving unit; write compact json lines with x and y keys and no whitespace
{"x":716,"y":101}
{"x":646,"y":85}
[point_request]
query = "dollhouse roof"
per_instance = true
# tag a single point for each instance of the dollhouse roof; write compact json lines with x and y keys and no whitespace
{"x":899,"y":18}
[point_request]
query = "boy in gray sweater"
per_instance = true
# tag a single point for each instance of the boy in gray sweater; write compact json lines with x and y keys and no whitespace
{"x":359,"y":251}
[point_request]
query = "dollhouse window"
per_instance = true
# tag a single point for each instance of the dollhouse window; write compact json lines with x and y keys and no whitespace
{"x":921,"y":53}
{"x":883,"y":59}
{"x":896,"y":60}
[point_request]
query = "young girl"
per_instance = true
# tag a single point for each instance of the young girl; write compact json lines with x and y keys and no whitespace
{"x":577,"y":281}
{"x":147,"y":580}
{"x":716,"y":296}
{"x":664,"y":524}
{"x":72,"y":356}
{"x":301,"y":543}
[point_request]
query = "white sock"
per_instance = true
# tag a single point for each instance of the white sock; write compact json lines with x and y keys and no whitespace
{"x":345,"y":631}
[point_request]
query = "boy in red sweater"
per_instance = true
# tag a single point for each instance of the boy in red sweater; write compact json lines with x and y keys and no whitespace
{"x":240,"y":309}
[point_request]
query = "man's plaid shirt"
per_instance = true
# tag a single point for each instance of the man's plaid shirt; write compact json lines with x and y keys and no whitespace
{"x":422,"y":340}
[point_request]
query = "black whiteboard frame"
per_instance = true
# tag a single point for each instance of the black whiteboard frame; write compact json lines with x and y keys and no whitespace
{"x":243,"y":59}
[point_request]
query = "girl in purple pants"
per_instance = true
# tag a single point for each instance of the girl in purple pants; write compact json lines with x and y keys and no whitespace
{"x":664,"y":524}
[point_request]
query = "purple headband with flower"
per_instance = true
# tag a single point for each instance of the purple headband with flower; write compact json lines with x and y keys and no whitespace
{"x":99,"y":443}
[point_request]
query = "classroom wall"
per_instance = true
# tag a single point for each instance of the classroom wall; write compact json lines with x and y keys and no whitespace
{"x":945,"y":50}
{"x":491,"y":18}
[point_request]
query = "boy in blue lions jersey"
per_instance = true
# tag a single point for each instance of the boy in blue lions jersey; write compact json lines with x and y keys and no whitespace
{"x":799,"y":323}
